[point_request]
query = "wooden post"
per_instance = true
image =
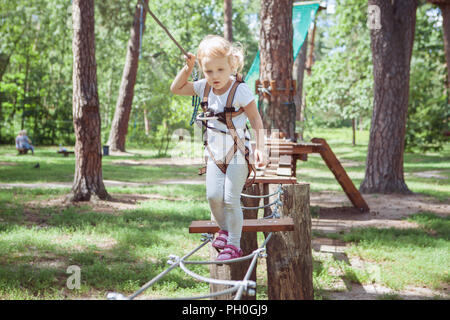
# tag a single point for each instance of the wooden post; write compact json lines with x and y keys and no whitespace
{"x":289,"y":256}
{"x":237,"y":271}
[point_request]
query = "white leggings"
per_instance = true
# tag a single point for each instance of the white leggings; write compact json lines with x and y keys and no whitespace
{"x":223,"y":192}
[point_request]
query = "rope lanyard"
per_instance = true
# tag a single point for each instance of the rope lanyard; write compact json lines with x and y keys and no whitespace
{"x":164,"y":28}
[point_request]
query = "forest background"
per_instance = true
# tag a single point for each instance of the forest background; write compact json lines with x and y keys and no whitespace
{"x":36,"y":69}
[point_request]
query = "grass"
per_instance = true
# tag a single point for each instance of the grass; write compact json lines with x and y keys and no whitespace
{"x":315,"y":171}
{"x":394,"y":258}
{"x":410,"y":257}
{"x":115,"y":252}
{"x":120,"y":250}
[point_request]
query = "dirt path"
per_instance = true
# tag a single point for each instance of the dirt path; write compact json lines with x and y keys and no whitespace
{"x":337,"y":214}
{"x":334,"y":214}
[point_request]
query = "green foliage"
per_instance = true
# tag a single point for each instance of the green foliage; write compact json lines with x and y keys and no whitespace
{"x":340,"y":86}
{"x":429,"y":109}
{"x":36,"y":64}
{"x":36,"y":68}
{"x":35,"y":88}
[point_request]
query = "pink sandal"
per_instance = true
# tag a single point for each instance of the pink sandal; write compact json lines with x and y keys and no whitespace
{"x":221,"y":241}
{"x":230,"y":252}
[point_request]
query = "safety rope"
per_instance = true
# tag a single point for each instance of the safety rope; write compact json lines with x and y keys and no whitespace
{"x":164,"y":28}
{"x":236,"y":286}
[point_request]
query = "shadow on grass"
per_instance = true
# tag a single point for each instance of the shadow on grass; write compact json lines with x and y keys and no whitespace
{"x":116,"y":252}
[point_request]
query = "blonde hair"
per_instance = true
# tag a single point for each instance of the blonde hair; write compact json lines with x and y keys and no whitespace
{"x":219,"y":47}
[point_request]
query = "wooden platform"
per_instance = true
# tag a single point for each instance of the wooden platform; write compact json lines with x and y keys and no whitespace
{"x":283,"y":156}
{"x":250,"y":225}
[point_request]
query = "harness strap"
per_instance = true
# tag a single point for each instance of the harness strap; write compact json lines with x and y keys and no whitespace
{"x":226,"y":118}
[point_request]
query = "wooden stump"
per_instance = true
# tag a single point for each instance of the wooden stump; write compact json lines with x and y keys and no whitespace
{"x":237,"y":271}
{"x":289,"y":256}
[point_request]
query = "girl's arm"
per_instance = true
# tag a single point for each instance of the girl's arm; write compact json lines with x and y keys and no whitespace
{"x":180,"y":84}
{"x":253,"y":116}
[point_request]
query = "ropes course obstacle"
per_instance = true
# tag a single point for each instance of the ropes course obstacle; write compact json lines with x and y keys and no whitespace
{"x":236,"y":287}
{"x":289,"y":260}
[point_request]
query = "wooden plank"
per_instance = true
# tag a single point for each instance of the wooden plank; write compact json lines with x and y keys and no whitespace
{"x":285,"y":160}
{"x":305,"y":149}
{"x":276,"y":180}
{"x":284,"y":172}
{"x":271,"y":172}
{"x":250,"y":225}
{"x":274,"y":160}
{"x":274,"y":152}
{"x":341,"y":175}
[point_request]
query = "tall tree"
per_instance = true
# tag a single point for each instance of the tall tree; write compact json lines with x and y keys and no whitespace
{"x":444,"y":5}
{"x":276,"y":66}
{"x":228,"y":20}
{"x":299,"y":71}
{"x":391,"y":45}
{"x":88,"y":178}
{"x":119,"y":126}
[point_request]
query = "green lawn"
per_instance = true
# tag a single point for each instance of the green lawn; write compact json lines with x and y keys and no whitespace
{"x":120,"y":250}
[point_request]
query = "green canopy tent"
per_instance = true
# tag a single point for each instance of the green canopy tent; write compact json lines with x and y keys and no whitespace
{"x":302,"y":15}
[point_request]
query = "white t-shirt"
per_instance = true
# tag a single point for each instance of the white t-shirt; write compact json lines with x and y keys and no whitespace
{"x":220,"y":143}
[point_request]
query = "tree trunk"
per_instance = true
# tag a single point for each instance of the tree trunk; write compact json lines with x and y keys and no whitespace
{"x":354,"y":132}
{"x":289,"y":254}
{"x":228,"y":20}
{"x":119,"y":126}
{"x":146,"y":123}
{"x":310,"y":61}
{"x":445,"y":9}
{"x":277,"y":109}
{"x":88,"y":178}
{"x":25,"y":89}
{"x":391,"y":50}
{"x":300,"y":71}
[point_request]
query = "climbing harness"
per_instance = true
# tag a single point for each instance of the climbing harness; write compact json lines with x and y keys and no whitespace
{"x":236,"y":286}
{"x":225,"y":117}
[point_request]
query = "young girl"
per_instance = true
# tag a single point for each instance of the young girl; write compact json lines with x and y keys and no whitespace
{"x":220,"y":60}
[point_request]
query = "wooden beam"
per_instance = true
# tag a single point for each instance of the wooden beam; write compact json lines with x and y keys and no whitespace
{"x":250,"y":225}
{"x":341,"y":175}
{"x":276,"y":180}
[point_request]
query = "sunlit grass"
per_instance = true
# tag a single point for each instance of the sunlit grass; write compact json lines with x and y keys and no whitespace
{"x":121,"y":250}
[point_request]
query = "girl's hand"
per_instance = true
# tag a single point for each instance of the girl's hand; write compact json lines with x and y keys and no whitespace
{"x":260,"y":158}
{"x":190,"y":61}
